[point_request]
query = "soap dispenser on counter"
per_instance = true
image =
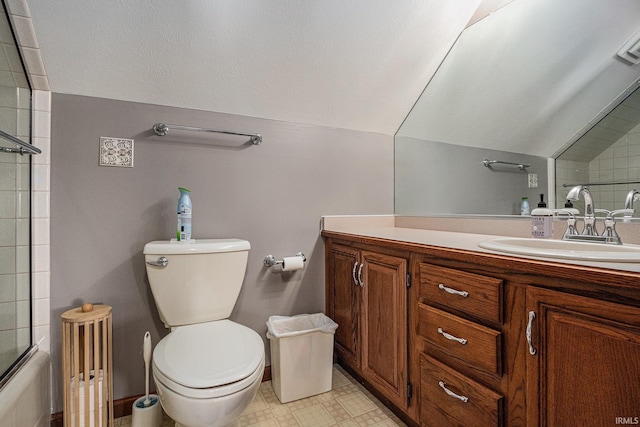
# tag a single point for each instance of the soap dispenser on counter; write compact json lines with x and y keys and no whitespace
{"x":542,"y":220}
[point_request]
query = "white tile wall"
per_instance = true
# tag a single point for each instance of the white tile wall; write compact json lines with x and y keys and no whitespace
{"x":40,"y":237}
{"x":41,"y":138}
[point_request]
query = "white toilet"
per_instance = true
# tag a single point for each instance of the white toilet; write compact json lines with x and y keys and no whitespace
{"x":208,"y":369}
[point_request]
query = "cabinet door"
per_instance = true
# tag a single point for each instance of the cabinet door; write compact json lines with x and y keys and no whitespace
{"x":586,"y":366}
{"x":344,"y":302}
{"x":384,"y":325}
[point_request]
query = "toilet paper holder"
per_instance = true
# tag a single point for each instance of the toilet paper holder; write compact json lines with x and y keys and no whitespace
{"x":270,"y":260}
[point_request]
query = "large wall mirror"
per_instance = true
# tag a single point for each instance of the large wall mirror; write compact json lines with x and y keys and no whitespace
{"x":519,"y":87}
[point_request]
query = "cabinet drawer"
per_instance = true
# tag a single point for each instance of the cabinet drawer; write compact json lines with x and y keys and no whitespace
{"x":465,"y":340}
{"x":477,"y":295}
{"x":449,"y":398}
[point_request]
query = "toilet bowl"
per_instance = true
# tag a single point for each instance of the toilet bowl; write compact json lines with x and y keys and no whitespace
{"x":207,"y":374}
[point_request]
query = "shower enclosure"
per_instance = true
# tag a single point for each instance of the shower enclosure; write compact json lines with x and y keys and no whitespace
{"x":16,"y":341}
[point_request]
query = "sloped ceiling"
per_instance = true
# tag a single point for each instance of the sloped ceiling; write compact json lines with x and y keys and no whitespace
{"x":354,"y":64}
{"x":530,"y":77}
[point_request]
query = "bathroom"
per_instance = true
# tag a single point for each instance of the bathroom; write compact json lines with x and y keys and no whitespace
{"x":328,"y":145}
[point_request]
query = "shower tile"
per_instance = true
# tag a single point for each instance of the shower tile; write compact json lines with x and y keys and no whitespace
{"x":7,"y":204}
{"x":41,"y":285}
{"x":7,"y":316}
{"x":23,"y":176}
{"x":41,"y":231}
{"x":7,"y":341}
{"x":42,"y":124}
{"x":22,"y":287}
{"x":8,"y":177}
{"x":22,"y":204}
{"x":23,"y":337}
{"x":23,"y":314}
{"x":42,"y":100}
{"x":41,"y":258}
{"x":7,"y":287}
{"x":7,"y":260}
{"x":22,"y":259}
{"x":41,"y":309}
{"x":22,"y":232}
{"x":41,"y":204}
{"x":7,"y":232}
{"x":44,"y":158}
{"x":40,"y":177}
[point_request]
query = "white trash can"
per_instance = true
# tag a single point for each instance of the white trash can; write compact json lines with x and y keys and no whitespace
{"x":301,"y":355}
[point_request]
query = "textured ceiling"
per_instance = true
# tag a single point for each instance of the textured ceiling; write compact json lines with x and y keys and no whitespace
{"x":530,"y":77}
{"x":356,"y":64}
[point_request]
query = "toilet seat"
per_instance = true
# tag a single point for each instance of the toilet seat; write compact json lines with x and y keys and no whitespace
{"x":209,"y":359}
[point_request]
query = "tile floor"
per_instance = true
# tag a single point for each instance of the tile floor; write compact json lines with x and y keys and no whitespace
{"x":348,"y":404}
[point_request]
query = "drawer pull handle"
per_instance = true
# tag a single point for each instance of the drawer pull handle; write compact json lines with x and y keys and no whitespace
{"x":451,"y":337}
{"x":353,"y":273}
{"x":360,"y":275}
{"x":463,"y":294}
{"x":532,"y":349}
{"x":443,"y":386}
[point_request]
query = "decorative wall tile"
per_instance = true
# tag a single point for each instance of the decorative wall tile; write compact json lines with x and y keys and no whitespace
{"x":116,"y":152}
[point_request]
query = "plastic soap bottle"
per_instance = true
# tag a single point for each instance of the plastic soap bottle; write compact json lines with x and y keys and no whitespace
{"x":184,"y":216}
{"x":524,"y":206}
{"x":542,"y":221}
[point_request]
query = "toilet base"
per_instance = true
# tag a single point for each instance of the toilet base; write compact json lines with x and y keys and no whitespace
{"x":221,"y":411}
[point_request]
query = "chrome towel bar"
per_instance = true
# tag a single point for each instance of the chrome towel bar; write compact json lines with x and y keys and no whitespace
{"x":161,"y":129}
{"x":520,"y":166}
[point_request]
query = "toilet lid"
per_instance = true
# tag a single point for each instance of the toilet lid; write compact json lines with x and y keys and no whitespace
{"x":209,"y":354}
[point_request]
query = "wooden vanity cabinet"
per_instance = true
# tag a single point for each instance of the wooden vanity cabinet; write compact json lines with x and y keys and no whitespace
{"x":545,"y":344}
{"x":367,"y":298}
{"x":460,"y":339}
{"x":583,"y":364}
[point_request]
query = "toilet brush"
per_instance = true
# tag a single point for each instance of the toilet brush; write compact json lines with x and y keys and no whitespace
{"x":146,"y":411}
{"x":146,"y":353}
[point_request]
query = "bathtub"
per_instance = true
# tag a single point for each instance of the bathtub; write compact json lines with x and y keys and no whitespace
{"x":25,"y":400}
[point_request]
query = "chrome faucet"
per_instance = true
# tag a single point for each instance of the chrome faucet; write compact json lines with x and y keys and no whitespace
{"x":589,"y":211}
{"x":631,"y":196}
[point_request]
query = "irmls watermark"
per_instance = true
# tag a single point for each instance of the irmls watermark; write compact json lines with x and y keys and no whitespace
{"x":628,"y":420}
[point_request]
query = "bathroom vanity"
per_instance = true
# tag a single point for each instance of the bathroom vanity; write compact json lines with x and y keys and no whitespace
{"x":447,"y":333}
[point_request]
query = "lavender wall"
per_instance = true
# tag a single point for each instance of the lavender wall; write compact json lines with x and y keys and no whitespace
{"x":272,"y":195}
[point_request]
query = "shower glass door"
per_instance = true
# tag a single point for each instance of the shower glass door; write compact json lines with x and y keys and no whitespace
{"x":15,"y":204}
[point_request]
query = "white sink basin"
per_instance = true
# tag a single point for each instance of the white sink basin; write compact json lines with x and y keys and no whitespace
{"x":549,"y":248}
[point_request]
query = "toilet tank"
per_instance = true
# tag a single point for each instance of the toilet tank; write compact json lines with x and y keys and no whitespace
{"x":201,"y":280}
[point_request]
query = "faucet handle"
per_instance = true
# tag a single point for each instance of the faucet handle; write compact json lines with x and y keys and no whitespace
{"x":625,"y":212}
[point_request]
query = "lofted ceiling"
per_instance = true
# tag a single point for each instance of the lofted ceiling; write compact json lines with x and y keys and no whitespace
{"x":531,"y":77}
{"x":526,"y":76}
{"x":356,"y":64}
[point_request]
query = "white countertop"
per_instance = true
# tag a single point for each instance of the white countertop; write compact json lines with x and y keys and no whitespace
{"x":455,"y":240}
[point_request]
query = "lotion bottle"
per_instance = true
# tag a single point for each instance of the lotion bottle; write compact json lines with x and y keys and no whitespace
{"x":184,"y":216}
{"x":542,"y":221}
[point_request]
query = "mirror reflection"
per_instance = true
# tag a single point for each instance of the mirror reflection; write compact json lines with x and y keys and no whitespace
{"x":517,"y":86}
{"x":606,"y":158}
